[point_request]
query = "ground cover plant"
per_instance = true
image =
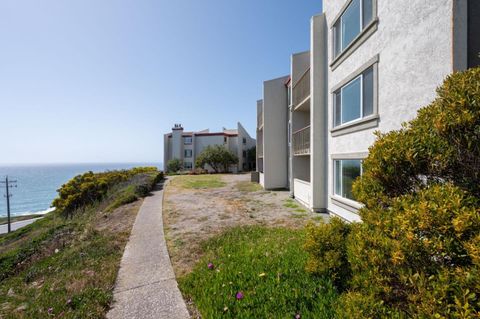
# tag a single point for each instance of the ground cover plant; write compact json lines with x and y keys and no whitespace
{"x":245,"y":186}
{"x":257,"y":272}
{"x":417,"y":252}
{"x":65,"y":265}
{"x":199,"y":181}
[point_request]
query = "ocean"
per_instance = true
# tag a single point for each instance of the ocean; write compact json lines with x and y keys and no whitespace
{"x":37,"y":184}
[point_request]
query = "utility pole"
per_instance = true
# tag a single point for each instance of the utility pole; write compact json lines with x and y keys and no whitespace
{"x":8,"y":185}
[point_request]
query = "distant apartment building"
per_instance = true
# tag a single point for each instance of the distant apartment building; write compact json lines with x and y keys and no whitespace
{"x":186,"y":146}
{"x":371,"y":65}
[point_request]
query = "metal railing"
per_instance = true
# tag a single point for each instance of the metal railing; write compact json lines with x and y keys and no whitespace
{"x":301,"y":141}
{"x":301,"y":89}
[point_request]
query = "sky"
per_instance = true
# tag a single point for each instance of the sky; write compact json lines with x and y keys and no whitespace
{"x":89,"y":81}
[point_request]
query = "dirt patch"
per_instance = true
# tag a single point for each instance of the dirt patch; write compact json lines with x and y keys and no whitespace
{"x":193,"y":215}
{"x":120,"y":219}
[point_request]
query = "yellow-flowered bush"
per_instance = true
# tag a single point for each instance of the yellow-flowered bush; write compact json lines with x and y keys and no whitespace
{"x":417,"y":251}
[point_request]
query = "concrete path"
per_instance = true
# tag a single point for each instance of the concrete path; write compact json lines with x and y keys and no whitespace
{"x":146,"y":285}
{"x":17,"y":225}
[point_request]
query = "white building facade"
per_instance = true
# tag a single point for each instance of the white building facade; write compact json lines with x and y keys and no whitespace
{"x":371,"y":65}
{"x":186,"y":146}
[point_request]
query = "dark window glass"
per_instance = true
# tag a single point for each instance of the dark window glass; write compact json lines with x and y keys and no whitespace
{"x":368,"y":92}
{"x":350,"y":23}
{"x":351,"y":100}
{"x":337,"y":33}
{"x":338,"y":108}
{"x":346,"y":171}
{"x":367,"y":12}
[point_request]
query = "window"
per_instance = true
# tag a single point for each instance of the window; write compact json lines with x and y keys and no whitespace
{"x":244,"y":154}
{"x":345,"y":173}
{"x":356,"y":17}
{"x":188,"y":153}
{"x":244,"y":140}
{"x":354,"y":100}
{"x":224,"y":139}
{"x":187,"y":140}
{"x":187,"y":165}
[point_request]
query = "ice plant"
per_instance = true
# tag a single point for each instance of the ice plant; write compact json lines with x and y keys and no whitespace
{"x":50,"y":311}
{"x":298,"y":316}
{"x":210,"y":266}
{"x":239,"y":295}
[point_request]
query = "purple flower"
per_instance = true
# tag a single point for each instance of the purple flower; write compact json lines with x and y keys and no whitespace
{"x":50,"y":311}
{"x":210,"y":266}
{"x":298,"y":316}
{"x":69,"y":301}
{"x":239,"y":295}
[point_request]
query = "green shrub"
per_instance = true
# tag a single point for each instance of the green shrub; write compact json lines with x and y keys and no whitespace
{"x":174,"y":165}
{"x":417,"y":252}
{"x":89,"y":188}
{"x":218,"y":157}
{"x":326,"y":245}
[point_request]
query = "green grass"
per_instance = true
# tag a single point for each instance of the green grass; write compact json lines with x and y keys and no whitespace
{"x":248,"y":187}
{"x":199,"y":181}
{"x":68,"y":265}
{"x":4,"y":220}
{"x":290,"y":203}
{"x":268,"y":266}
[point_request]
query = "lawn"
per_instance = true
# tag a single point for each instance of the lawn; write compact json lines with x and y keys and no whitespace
{"x":257,"y":272}
{"x":245,"y":186}
{"x":199,"y":181}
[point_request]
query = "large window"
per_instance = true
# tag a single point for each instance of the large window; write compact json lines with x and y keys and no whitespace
{"x":187,"y":140}
{"x":345,"y":172}
{"x":188,"y":165}
{"x":188,"y":153}
{"x":354,"y":100}
{"x":351,"y":23}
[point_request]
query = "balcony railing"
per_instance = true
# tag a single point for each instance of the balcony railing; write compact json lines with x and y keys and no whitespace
{"x":301,"y":89}
{"x":259,"y":119}
{"x":301,"y":141}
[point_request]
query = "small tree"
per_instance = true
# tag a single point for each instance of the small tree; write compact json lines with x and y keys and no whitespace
{"x":174,"y":165}
{"x":252,"y":157}
{"x":218,"y":157}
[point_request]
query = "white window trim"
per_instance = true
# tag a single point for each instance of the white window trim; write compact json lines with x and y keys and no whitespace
{"x":341,"y":106}
{"x":341,"y":169}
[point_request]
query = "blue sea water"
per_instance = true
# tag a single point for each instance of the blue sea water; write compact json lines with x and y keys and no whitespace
{"x":37,"y":184}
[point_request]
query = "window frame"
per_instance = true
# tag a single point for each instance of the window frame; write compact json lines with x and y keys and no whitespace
{"x":185,"y":153}
{"x":185,"y":140}
{"x":335,"y":182}
{"x":365,"y":32}
{"x":364,"y":122}
{"x":342,"y":99}
{"x":185,"y":166}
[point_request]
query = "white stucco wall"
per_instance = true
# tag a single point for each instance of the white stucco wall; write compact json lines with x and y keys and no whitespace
{"x":275,"y":127}
{"x":414,"y":45}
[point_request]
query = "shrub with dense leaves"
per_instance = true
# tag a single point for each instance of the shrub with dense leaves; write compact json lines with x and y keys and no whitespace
{"x":174,"y":165}
{"x":89,"y":188}
{"x":218,"y":157}
{"x":417,"y":251}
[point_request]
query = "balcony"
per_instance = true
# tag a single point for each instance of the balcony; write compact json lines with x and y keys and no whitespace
{"x":301,"y":89}
{"x":301,"y":141}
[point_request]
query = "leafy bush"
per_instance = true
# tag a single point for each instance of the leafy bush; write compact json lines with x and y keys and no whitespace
{"x":417,"y":252}
{"x":89,"y":188}
{"x":174,"y":165}
{"x":326,"y":245}
{"x":217,"y":157}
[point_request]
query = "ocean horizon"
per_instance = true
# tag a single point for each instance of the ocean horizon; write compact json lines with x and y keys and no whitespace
{"x":37,"y":184}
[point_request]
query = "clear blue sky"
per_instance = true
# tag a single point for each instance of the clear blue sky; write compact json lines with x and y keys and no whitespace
{"x":102,"y":81}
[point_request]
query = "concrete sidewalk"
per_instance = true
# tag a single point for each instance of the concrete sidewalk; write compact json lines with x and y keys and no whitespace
{"x":146,"y":286}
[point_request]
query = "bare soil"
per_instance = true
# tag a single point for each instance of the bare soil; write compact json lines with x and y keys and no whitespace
{"x":194,"y":215}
